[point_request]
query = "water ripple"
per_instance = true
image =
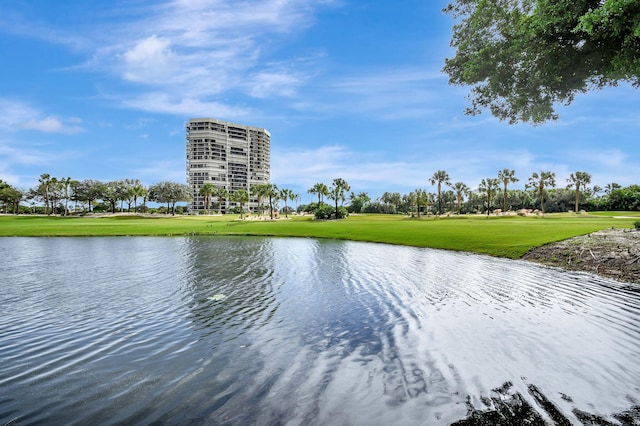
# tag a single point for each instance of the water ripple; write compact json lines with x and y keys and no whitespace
{"x":300,"y":331}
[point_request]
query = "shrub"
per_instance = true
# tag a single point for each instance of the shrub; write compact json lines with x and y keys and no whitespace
{"x":343,"y":213}
{"x":309,"y":208}
{"x":636,"y":224}
{"x":329,"y":212}
{"x":100,"y":208}
{"x":324,"y":212}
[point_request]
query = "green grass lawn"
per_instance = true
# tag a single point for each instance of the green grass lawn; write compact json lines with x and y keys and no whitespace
{"x":507,"y":236}
{"x":616,"y":214}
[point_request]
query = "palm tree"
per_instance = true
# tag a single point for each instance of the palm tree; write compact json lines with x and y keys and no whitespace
{"x":597,"y":190}
{"x":439,"y":178}
{"x":461,"y":189}
{"x":54,"y":193}
{"x":287,"y":194}
{"x":420,"y":195}
{"x":140,"y":191}
{"x":539,"y":182}
{"x":261,"y":190}
{"x":506,"y":176}
{"x":410,"y":199}
{"x":396,"y":199}
{"x":45,"y":180}
{"x":489,"y":187}
{"x":449,"y":197}
{"x":272,"y":193}
{"x":241,"y":197}
{"x":579,"y":179}
{"x":128,"y":192}
{"x":320,"y":189}
{"x":610,"y":187}
{"x":358,"y":201}
{"x":66,"y":184}
{"x":337,"y":191}
{"x":386,"y":199}
{"x":297,"y":199}
{"x":222,"y":194}
{"x":207,"y":190}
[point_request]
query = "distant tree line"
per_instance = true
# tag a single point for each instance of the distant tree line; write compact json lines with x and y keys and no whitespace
{"x":541,"y":193}
{"x":61,"y":195}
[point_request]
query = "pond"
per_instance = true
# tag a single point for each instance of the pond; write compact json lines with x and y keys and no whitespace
{"x":223,"y":330}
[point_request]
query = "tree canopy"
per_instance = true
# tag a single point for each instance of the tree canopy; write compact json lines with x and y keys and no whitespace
{"x":523,"y":57}
{"x":170,"y":193}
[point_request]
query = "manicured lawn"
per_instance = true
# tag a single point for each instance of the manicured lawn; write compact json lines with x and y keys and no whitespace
{"x":617,"y":214}
{"x":509,"y":236}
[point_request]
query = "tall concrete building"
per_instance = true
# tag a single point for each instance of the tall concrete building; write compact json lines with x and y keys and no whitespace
{"x":227,"y":155}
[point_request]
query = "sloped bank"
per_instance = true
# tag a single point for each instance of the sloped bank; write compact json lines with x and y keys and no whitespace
{"x":613,"y":253}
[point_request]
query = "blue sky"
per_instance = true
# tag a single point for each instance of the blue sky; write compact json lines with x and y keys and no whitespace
{"x":351,"y":89}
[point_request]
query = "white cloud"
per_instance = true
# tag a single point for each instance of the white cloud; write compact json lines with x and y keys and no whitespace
{"x":310,"y":165}
{"x":7,"y":176}
{"x":49,"y":124}
{"x":158,"y":171}
{"x":610,"y":158}
{"x":198,"y":53}
{"x":187,"y":49}
{"x":166,"y":103}
{"x":375,"y":174}
{"x":149,"y":51}
{"x":19,"y":156}
{"x":306,"y":167}
{"x":14,"y":156}
{"x":268,"y":84}
{"x":16,"y":115}
{"x":386,"y":94}
{"x":190,"y":49}
{"x":150,"y":60}
{"x":141,"y":123}
{"x":28,"y":25}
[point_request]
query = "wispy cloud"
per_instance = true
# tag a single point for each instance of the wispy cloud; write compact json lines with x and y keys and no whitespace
{"x":25,"y":22}
{"x":386,"y":94}
{"x":274,"y":83}
{"x":20,"y":156}
{"x":157,"y":171}
{"x":14,"y":155}
{"x":17,"y":115}
{"x":7,"y":176}
{"x":188,"y":57}
{"x":374,"y":173}
{"x":185,"y":106}
{"x":190,"y":53}
{"x":371,"y":170}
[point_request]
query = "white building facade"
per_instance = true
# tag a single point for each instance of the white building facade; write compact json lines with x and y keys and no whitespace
{"x":227,"y":155}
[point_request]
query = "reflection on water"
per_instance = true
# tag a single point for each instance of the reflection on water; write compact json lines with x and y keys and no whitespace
{"x":505,"y":408}
{"x":300,"y":331}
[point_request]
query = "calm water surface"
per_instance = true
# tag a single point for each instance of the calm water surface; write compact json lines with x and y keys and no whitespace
{"x":299,"y":331}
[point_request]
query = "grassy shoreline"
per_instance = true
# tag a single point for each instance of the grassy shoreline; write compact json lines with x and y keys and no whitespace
{"x":502,"y":236}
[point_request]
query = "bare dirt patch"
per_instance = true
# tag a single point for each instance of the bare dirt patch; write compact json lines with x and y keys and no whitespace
{"x":613,"y":253}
